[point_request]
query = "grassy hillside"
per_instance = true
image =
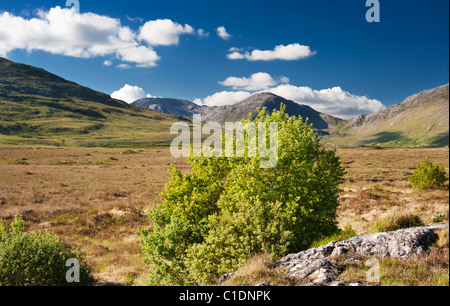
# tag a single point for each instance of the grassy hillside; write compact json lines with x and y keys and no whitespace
{"x":422,"y":120}
{"x":39,"y":108}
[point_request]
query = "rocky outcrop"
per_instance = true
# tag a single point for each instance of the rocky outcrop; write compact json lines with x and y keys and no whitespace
{"x":314,"y":266}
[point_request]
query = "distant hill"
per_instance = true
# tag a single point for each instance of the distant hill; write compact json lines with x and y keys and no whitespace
{"x":177,"y":107}
{"x":238,"y":111}
{"x":422,"y":120}
{"x":38,"y":107}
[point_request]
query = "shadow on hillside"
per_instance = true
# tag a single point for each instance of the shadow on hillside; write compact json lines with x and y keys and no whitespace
{"x":440,"y":140}
{"x":382,"y":137}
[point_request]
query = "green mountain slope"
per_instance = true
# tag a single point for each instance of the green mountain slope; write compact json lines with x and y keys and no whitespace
{"x":422,"y":120}
{"x":37,"y":107}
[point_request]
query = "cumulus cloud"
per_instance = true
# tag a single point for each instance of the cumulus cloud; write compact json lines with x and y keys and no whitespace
{"x":130,"y":94}
{"x":257,"y":81}
{"x":107,"y":63}
{"x":224,"y":98}
{"x":222,"y":32}
{"x":163,"y":32}
{"x":63,"y":31}
{"x":333,"y":101}
{"x":290,"y":52}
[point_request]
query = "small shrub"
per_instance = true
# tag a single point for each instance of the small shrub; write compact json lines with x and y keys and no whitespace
{"x":440,"y":218}
{"x":428,"y":176}
{"x":34,"y":259}
{"x":397,"y":222}
{"x":129,"y":151}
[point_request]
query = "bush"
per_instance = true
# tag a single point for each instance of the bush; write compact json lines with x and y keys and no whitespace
{"x":228,"y":210}
{"x":35,"y":259}
{"x":428,"y":176}
{"x":398,"y":221}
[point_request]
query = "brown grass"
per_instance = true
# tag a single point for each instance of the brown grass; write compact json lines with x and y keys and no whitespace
{"x":96,"y":198}
{"x":95,"y":206}
{"x":257,"y":270}
{"x":376,"y":186}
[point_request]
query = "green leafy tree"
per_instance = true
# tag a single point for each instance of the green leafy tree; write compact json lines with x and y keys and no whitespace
{"x":229,"y":209}
{"x":35,"y":259}
{"x":428,"y":175}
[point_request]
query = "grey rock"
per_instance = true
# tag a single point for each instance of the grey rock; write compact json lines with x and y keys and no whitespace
{"x":314,"y":265}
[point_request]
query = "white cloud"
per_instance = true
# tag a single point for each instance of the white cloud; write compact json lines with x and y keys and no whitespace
{"x":107,"y":63}
{"x":130,"y":94}
{"x":290,"y":52}
{"x":224,"y":98}
{"x":235,"y":56}
{"x":202,"y":34}
{"x":163,"y":32}
{"x":123,"y":66}
{"x":141,"y":55}
{"x":235,"y":49}
{"x":257,"y":81}
{"x":333,"y":101}
{"x":63,"y":31}
{"x":222,"y":32}
{"x":198,"y":101}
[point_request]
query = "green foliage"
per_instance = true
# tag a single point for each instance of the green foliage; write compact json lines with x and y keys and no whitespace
{"x":34,"y":259}
{"x":17,"y":162}
{"x":344,"y":234}
{"x":428,"y":176}
{"x":229,"y":209}
{"x":440,"y":218}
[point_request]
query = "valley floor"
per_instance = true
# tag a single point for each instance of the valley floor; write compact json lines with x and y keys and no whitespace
{"x":97,"y":198}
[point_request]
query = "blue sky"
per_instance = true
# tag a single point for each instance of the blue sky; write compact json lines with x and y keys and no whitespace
{"x":322,"y":53}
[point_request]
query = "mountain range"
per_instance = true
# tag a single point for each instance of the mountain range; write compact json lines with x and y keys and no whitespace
{"x":421,"y":120}
{"x":238,"y":111}
{"x":40,"y":108}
